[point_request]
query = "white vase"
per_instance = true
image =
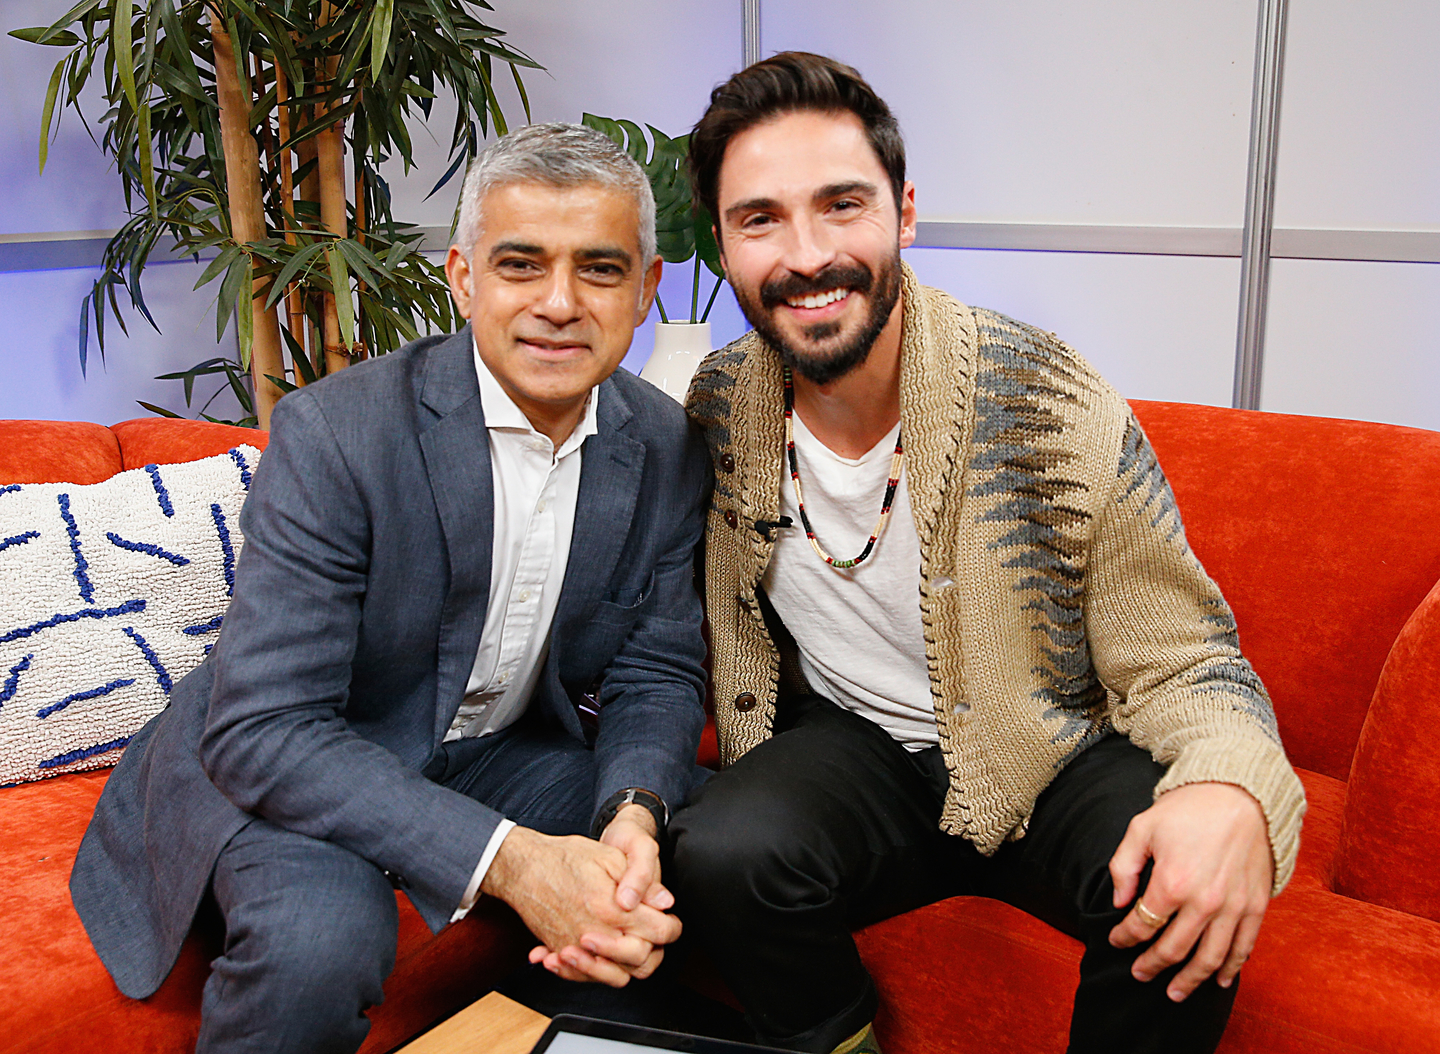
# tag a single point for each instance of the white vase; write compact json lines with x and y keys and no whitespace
{"x":679,"y":347}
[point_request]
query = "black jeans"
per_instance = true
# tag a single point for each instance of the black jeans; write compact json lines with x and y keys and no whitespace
{"x":831,"y":824}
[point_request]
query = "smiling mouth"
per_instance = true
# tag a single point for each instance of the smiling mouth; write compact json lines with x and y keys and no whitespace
{"x":553,"y":347}
{"x":817,"y":300}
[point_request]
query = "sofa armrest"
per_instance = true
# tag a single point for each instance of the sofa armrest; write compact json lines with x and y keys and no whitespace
{"x":1389,"y":840}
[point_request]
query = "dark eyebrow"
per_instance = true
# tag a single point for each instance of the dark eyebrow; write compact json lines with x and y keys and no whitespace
{"x":752,"y":205}
{"x":839,"y":190}
{"x":605,"y":252}
{"x":522,"y":248}
{"x":825,"y":193}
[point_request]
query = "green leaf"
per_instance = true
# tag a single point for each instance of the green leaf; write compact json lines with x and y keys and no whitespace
{"x":220,"y":263}
{"x":44,"y":35}
{"x":158,"y":410}
{"x":291,"y":269}
{"x":229,"y":291}
{"x":147,"y":162}
{"x":245,"y":314}
{"x":122,"y":51}
{"x":280,"y":382}
{"x":46,"y":115}
{"x":380,"y":24}
{"x":340,"y":283}
{"x":705,"y":243}
{"x":298,"y":357}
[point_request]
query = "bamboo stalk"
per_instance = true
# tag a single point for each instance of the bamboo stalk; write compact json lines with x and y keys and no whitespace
{"x":295,"y":310}
{"x":311,"y":301}
{"x":330,"y":149}
{"x":358,"y":156}
{"x":247,"y":213}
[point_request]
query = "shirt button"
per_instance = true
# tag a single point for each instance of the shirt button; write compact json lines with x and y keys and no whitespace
{"x":745,"y":702}
{"x":730,"y":519}
{"x":524,"y":595}
{"x":541,"y":506}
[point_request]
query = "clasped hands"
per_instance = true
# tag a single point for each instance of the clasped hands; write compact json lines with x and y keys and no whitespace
{"x":1208,"y":889}
{"x":598,"y":908}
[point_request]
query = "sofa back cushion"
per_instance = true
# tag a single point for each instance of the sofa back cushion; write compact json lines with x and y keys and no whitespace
{"x":113,"y":592}
{"x":57,"y":452}
{"x":1322,"y":534}
{"x":1389,"y":842}
{"x":163,"y":440}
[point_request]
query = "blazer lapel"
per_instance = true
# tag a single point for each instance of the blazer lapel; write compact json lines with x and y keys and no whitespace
{"x":610,"y":473}
{"x":456,"y":449}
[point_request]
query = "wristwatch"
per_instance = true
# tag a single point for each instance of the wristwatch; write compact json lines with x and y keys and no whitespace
{"x":647,"y":800}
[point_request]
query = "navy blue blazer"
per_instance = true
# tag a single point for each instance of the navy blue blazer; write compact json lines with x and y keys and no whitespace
{"x":360,"y":597}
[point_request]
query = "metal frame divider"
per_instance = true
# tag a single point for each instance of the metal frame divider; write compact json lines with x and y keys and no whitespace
{"x":1259,"y":204}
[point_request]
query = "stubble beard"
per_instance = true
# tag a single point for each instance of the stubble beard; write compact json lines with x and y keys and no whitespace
{"x":821,"y":367}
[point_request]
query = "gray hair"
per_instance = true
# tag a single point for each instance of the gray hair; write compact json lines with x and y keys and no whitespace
{"x":555,"y":155}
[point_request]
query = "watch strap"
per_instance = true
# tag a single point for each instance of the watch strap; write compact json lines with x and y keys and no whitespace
{"x":646,"y":799}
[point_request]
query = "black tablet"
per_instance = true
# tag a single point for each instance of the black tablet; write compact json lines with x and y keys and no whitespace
{"x":569,"y":1034}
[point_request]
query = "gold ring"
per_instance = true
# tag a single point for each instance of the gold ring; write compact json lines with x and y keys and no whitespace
{"x":1149,"y":917}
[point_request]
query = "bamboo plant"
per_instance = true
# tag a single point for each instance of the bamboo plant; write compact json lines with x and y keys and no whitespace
{"x":229,"y":121}
{"x":683,"y":228}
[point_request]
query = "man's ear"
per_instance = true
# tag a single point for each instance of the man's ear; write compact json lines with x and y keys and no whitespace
{"x":907,"y":215}
{"x":648,"y":285}
{"x":457,"y":270}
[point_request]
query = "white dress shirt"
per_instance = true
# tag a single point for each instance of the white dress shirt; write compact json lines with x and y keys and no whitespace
{"x":536,"y":488}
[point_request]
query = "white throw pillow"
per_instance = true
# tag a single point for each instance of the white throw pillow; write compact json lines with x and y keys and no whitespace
{"x":109,"y":594}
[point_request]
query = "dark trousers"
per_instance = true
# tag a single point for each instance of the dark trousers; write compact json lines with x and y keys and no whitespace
{"x":831,"y":824}
{"x":310,"y":927}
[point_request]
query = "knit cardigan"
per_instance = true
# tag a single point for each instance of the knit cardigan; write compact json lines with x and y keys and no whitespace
{"x":1058,"y":595}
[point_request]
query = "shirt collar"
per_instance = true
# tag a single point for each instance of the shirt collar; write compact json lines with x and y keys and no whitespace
{"x":501,"y":413}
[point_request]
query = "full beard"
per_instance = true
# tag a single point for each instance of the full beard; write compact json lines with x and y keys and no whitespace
{"x":823,"y":365}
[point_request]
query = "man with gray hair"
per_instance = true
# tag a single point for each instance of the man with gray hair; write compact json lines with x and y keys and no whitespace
{"x":450,"y":552}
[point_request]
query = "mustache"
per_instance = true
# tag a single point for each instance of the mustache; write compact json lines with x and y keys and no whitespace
{"x":855,"y":277}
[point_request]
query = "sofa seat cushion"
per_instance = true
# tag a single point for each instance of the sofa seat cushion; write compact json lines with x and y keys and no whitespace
{"x":58,"y":997}
{"x":1329,"y":974}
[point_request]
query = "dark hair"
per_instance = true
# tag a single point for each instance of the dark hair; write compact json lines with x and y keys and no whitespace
{"x":786,"y":83}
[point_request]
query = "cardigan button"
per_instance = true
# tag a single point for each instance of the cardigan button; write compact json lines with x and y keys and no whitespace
{"x":730,"y":519}
{"x":745,"y":702}
{"x":745,"y":603}
{"x":727,"y":463}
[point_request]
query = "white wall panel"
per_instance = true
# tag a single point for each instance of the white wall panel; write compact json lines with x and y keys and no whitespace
{"x":40,"y":369}
{"x":1360,"y":118}
{"x":648,"y":61}
{"x":1157,"y":327}
{"x":1049,"y":111}
{"x":1359,"y":340}
{"x":79,"y":190}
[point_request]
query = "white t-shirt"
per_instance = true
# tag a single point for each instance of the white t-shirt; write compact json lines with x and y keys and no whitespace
{"x":859,"y":631}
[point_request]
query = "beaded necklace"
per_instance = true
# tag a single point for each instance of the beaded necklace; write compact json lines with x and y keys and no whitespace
{"x":895,"y":463}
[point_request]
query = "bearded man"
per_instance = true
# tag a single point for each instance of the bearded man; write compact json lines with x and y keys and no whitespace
{"x":959,"y":643}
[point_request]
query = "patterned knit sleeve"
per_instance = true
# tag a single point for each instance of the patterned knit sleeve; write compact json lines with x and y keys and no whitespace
{"x":1164,"y":642}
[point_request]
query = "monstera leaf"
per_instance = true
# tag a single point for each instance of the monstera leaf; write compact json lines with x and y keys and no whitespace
{"x":683,"y":226}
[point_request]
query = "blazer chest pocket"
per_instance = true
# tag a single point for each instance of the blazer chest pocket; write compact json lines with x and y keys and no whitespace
{"x":622,"y":605}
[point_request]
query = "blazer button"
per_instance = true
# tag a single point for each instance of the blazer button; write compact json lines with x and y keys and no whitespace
{"x":745,"y":702}
{"x":727,"y":463}
{"x":730,"y":520}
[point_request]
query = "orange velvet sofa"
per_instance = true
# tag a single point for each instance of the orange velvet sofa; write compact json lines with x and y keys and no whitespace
{"x":1324,"y":535}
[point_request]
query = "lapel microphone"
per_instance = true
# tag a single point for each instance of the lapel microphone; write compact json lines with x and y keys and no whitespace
{"x":765,"y":527}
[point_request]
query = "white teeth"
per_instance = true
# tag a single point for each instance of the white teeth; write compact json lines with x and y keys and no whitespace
{"x":819,"y":299}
